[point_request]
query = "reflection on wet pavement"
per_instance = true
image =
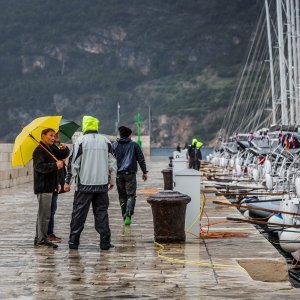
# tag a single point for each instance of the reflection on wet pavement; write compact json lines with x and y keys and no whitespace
{"x":132,"y":269}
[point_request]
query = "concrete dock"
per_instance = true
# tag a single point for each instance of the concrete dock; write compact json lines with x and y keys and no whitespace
{"x":222,"y":268}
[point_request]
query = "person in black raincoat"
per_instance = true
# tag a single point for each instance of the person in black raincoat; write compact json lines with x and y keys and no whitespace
{"x":128,"y":154}
{"x":45,"y":182}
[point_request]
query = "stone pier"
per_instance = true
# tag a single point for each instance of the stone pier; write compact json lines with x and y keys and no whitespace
{"x":198,"y":269}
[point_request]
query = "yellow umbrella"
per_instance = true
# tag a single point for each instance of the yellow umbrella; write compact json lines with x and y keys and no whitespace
{"x":29,"y":138}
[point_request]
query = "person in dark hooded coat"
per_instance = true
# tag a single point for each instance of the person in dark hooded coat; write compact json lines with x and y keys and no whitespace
{"x":128,"y":155}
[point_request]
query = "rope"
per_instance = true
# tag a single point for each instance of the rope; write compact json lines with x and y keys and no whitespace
{"x":208,"y":235}
{"x":194,"y":262}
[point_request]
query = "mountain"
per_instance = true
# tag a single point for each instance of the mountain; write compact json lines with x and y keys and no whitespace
{"x":181,"y":58}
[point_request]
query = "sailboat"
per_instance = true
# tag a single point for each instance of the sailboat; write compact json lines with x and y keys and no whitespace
{"x":266,"y":115}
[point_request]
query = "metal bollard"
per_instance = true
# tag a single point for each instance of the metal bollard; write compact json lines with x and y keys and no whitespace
{"x":168,"y":178}
{"x":168,"y":209}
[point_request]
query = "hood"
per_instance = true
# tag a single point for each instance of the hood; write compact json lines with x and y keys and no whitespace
{"x":89,"y":124}
{"x":123,"y":140}
{"x":194,"y":141}
{"x":199,"y":145}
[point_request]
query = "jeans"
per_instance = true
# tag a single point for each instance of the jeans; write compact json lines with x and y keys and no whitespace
{"x":53,"y":210}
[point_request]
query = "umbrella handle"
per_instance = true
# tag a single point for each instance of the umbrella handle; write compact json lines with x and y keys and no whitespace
{"x":48,"y":152}
{"x":43,"y":147}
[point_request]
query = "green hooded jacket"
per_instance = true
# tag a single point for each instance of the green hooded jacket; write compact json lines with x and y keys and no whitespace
{"x":89,"y":124}
{"x":194,"y":142}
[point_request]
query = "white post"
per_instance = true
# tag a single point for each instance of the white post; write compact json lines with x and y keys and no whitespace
{"x":283,"y":97}
{"x":179,"y":164}
{"x":188,"y":183}
{"x":271,"y":63}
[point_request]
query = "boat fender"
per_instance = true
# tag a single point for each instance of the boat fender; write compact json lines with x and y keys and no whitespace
{"x":269,"y":182}
{"x":255,"y":175}
{"x":297,"y":185}
{"x":277,"y":218}
{"x":268,"y":166}
{"x":290,"y":239}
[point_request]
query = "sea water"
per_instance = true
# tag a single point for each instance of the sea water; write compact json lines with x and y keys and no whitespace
{"x":169,"y":151}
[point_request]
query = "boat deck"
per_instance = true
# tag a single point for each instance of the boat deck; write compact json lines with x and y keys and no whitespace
{"x":222,"y":268}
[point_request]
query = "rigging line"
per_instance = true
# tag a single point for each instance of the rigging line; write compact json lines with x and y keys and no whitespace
{"x":255,"y":63}
{"x":249,"y":76}
{"x":255,"y":83}
{"x":266,"y":121}
{"x":254,"y":119}
{"x":252,"y":73}
{"x":258,"y":71}
{"x":234,"y":98}
{"x":245,"y":92}
{"x":259,"y":100}
{"x":261,"y":108}
{"x":262,"y":102}
{"x":252,"y":114}
{"x":251,"y":43}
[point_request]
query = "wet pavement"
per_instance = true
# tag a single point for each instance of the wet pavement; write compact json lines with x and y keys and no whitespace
{"x":132,"y":269}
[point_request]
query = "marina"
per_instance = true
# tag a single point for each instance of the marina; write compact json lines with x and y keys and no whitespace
{"x":217,"y":218}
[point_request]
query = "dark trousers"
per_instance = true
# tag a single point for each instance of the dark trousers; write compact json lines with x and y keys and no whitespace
{"x":194,"y":164}
{"x":81,"y":205}
{"x":53,"y":210}
{"x":126,"y":184}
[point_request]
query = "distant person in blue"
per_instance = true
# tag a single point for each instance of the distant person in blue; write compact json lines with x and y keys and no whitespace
{"x":128,"y":155}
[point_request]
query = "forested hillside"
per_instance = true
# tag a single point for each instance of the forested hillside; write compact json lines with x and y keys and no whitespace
{"x":180,"y":57}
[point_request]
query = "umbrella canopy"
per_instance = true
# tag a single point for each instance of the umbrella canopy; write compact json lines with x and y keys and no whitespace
{"x":29,"y":138}
{"x":67,"y":129}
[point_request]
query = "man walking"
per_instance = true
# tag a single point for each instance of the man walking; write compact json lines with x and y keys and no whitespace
{"x":93,"y":166}
{"x":45,"y":183}
{"x":128,"y":154}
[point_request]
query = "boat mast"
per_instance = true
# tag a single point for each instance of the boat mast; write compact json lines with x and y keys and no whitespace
{"x":295,"y":62}
{"x":283,"y":96}
{"x":271,"y":63}
{"x":290,"y":64}
{"x":297,"y":83}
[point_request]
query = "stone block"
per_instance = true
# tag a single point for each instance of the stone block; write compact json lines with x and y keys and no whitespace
{"x":4,"y":157}
{"x":21,"y":172}
{"x":4,"y":175}
{"x":4,"y":166}
{"x":6,"y":148}
{"x":4,"y":184}
{"x":265,"y":269}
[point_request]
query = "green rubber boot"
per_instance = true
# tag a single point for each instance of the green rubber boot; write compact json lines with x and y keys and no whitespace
{"x":127,"y":220}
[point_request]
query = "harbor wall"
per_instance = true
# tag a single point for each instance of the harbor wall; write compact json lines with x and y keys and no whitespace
{"x":12,"y":176}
